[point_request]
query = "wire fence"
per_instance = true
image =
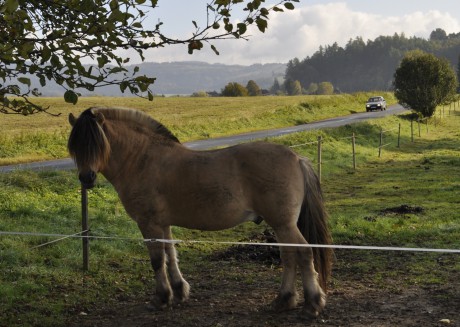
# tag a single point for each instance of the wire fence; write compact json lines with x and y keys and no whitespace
{"x":85,"y":236}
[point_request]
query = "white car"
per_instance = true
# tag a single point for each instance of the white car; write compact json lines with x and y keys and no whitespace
{"x":376,"y":103}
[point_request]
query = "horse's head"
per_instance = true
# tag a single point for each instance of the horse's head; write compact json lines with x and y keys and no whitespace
{"x":88,"y":145}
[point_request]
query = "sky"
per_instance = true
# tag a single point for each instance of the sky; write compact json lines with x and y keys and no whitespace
{"x":300,"y":33}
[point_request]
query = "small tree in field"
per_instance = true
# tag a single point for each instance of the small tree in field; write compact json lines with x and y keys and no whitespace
{"x":292,"y":87}
{"x":276,"y":88}
{"x":253,"y":88}
{"x":312,"y":88}
{"x":325,"y":88}
{"x":52,"y":40}
{"x":424,"y":82}
{"x":234,"y":90}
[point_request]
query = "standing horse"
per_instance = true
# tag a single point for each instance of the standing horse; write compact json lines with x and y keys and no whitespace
{"x":162,"y":183}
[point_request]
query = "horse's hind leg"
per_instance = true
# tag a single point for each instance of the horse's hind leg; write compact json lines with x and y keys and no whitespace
{"x":287,"y":297}
{"x":315,"y":298}
{"x":163,"y":295}
{"x":179,"y":285}
{"x":291,"y":258}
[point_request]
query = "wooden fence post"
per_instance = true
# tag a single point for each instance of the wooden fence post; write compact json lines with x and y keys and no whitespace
{"x":412,"y":131}
{"x":84,"y":227}
{"x":418,"y":121}
{"x":353,"y":149}
{"x":381,"y":142}
{"x":319,"y":157}
{"x":399,"y":135}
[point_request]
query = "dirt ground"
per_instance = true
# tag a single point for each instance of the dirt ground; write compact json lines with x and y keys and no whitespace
{"x":229,"y":291}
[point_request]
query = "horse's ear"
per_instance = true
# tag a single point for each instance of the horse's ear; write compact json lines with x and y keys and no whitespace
{"x":72,"y":119}
{"x":100,"y":118}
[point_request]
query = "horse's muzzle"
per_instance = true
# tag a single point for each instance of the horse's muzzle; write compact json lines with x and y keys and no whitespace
{"x":87,"y":179}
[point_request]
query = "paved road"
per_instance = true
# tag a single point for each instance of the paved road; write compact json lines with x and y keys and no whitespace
{"x":234,"y":139}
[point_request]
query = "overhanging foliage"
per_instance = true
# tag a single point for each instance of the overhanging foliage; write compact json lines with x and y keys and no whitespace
{"x":52,"y":39}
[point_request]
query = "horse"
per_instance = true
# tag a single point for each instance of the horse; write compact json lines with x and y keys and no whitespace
{"x":162,"y":183}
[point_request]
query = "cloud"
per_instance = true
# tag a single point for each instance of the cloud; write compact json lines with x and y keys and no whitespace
{"x":300,"y":32}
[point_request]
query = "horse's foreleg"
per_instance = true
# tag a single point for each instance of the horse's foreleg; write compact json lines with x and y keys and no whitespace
{"x":179,"y":285}
{"x":163,"y":295}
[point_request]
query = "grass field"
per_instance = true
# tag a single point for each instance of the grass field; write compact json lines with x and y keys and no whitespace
{"x":42,"y":137}
{"x":408,"y":197}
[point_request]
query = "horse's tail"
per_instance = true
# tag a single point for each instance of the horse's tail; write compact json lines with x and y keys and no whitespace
{"x":313,"y":223}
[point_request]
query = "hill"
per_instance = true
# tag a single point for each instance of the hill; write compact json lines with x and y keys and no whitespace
{"x":190,"y":76}
{"x":367,"y":66}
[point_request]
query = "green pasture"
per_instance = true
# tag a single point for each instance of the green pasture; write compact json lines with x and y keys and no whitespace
{"x":407,"y":198}
{"x":43,"y":137}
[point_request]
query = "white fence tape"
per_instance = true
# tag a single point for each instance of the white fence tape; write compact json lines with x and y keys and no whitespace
{"x":174,"y":241}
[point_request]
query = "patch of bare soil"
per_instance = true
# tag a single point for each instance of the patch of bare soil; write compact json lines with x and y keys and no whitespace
{"x":235,"y":288}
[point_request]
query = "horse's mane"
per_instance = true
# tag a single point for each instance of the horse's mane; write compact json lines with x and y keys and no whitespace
{"x":88,"y":144}
{"x":136,"y":116}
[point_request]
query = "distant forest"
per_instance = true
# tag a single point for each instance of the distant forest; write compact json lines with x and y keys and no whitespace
{"x":367,"y":66}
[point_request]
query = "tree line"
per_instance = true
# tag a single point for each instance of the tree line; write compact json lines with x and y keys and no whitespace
{"x":287,"y":87}
{"x":367,"y":66}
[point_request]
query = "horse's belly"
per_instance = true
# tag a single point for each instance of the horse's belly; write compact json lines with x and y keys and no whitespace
{"x":208,"y":220}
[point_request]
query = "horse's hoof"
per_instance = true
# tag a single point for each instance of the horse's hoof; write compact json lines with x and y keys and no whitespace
{"x":284,"y":302}
{"x":159,"y":303}
{"x":314,"y":306}
{"x":181,"y":292}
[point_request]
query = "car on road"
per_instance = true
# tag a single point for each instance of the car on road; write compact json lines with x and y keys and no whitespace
{"x":376,"y":103}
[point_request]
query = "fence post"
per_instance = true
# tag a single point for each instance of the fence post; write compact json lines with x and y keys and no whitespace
{"x":84,"y":227}
{"x":412,"y":131}
{"x":353,"y":149}
{"x":418,"y":121}
{"x":399,"y":135}
{"x":381,"y":142}
{"x":319,"y":157}
{"x":426,"y":120}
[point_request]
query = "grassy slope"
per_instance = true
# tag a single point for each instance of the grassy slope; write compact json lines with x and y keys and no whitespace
{"x":44,"y":286}
{"x":43,"y":137}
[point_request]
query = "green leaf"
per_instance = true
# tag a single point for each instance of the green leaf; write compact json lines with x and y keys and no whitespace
{"x":10,"y":6}
{"x":42,"y":80}
{"x":24,"y":80}
{"x":256,"y":4}
{"x":214,"y":49}
{"x":261,"y":24}
{"x":114,"y":5}
{"x":123,"y":86}
{"x":241,"y":28}
{"x":71,"y":97}
{"x":117,"y":70}
{"x":289,"y":6}
{"x":46,"y":54}
{"x":264,"y":12}
{"x":229,"y":27}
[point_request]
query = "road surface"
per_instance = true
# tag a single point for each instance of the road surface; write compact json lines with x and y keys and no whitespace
{"x":234,"y":139}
